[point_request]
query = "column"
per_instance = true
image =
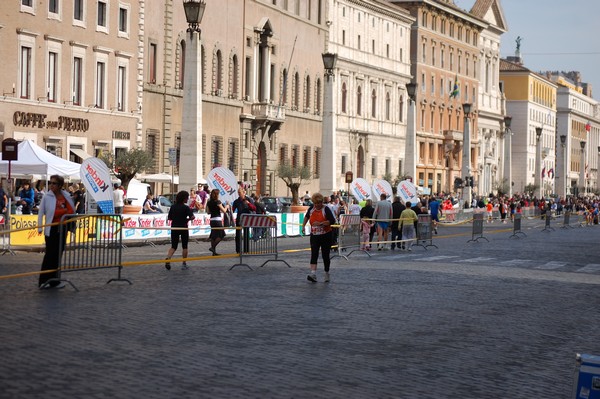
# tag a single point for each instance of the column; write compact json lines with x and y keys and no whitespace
{"x":410,"y":156}
{"x":190,"y":162}
{"x":328,"y":142}
{"x":466,"y":157}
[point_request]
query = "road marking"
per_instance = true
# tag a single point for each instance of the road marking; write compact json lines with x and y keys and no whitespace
{"x":515,"y":262}
{"x":590,"y":268}
{"x":436,"y":258}
{"x":551,"y":265}
{"x":476,"y":260}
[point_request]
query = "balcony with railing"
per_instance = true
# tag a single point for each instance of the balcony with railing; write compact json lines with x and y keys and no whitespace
{"x":269,"y":112}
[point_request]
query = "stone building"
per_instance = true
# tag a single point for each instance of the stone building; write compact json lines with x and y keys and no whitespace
{"x":445,"y":53}
{"x":70,"y":75}
{"x":262,"y":86}
{"x":372,"y":42}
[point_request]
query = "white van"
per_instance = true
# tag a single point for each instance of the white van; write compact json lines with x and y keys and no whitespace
{"x":137,"y":192}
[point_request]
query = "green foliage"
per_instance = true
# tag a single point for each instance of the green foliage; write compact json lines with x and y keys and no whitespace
{"x":502,"y":187}
{"x":128,"y":163}
{"x":294,"y":176}
{"x":531,"y":189}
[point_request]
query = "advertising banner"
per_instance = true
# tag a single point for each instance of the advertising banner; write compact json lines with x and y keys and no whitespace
{"x":96,"y":179}
{"x":407,"y":191}
{"x":360,"y":189}
{"x":382,"y":187}
{"x":224,"y":180}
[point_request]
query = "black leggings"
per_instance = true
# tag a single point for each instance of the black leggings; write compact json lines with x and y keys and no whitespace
{"x":322,"y":242}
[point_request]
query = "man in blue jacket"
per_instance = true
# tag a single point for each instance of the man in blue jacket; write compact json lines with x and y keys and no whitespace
{"x":27,"y":197}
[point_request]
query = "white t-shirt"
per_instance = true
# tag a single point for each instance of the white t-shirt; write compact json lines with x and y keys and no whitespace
{"x":119,"y":197}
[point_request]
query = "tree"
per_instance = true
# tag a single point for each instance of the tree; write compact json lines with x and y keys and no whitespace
{"x":531,"y":189}
{"x":293,"y":176}
{"x":128,"y":163}
{"x":502,"y":187}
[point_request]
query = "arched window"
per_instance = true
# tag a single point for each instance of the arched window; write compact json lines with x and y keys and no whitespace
{"x":307,"y":91}
{"x":344,"y":98}
{"x":388,"y":103}
{"x":401,"y":109}
{"x":284,"y":87}
{"x":373,"y":103}
{"x":218,"y":71}
{"x":235,"y":84}
{"x":296,"y":93}
{"x":359,"y":101}
{"x":318,"y":97}
{"x":181,"y":63}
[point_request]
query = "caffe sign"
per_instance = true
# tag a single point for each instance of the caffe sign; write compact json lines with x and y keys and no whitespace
{"x":30,"y":119}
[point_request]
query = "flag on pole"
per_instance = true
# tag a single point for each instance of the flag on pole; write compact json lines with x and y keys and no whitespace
{"x":551,"y":172}
{"x":544,"y":172}
{"x":455,"y":90}
{"x":588,"y":126}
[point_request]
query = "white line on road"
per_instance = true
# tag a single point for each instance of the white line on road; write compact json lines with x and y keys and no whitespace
{"x":590,"y":268}
{"x":551,"y":265}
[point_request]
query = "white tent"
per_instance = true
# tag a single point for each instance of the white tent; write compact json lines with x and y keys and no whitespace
{"x":34,"y":160}
{"x":159,"y":178}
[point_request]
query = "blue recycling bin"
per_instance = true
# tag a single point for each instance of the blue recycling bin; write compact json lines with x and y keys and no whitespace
{"x":587,"y":377}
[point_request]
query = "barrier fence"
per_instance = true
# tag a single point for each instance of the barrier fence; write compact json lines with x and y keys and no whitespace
{"x":424,"y":231}
{"x":547,"y":220}
{"x":258,"y":237}
{"x":95,"y":244}
{"x":567,"y":220}
{"x":517,"y":226}
{"x":477,"y":233}
{"x":349,"y":235}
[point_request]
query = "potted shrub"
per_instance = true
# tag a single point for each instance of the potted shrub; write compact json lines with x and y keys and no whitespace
{"x":294,"y":176}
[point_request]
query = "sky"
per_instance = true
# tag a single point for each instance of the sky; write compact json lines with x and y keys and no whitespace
{"x":558,"y":35}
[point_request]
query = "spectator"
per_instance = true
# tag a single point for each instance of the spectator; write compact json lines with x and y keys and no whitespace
{"x":214,"y":207}
{"x":119,"y":198}
{"x":242,"y":205}
{"x":78,"y":199}
{"x":148,"y":207}
{"x":408,"y":228}
{"x":27,"y":197}
{"x":383,"y":216}
{"x":397,"y":208}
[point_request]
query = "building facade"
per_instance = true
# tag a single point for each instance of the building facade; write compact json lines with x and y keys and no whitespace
{"x":70,"y":81}
{"x":445,"y":64}
{"x":490,"y":102}
{"x":531,"y":102}
{"x":262,"y":87}
{"x":372,"y":42}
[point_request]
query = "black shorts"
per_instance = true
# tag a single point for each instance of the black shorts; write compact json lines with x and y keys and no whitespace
{"x":216,"y":233}
{"x":185,"y":238}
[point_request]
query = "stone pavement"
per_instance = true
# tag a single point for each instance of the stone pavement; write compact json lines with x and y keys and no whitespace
{"x":502,"y":319}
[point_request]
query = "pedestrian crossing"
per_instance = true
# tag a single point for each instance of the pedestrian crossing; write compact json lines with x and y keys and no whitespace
{"x":591,"y":268}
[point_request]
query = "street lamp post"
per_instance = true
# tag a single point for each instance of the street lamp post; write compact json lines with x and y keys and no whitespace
{"x":562,"y":176}
{"x":190,"y":162}
{"x":582,"y":168}
{"x":328,"y":138}
{"x":508,"y":154}
{"x":538,"y":161}
{"x":410,"y":146}
{"x":466,"y":156}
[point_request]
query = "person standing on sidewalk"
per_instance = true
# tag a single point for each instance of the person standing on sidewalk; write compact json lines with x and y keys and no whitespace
{"x":214,"y":207}
{"x":179,"y":215}
{"x":409,"y":218}
{"x":55,"y":204}
{"x":119,"y":198}
{"x":242,"y":205}
{"x":382,"y":215}
{"x":321,"y":236}
{"x":397,"y":208}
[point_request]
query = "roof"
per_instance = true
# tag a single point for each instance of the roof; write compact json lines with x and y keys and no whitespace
{"x":481,"y":9}
{"x":507,"y":66}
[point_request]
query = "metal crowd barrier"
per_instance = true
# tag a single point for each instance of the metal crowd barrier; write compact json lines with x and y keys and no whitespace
{"x":567,"y":220}
{"x":517,"y":226}
{"x":548,"y":219}
{"x":349,"y":235}
{"x":5,"y":225}
{"x":258,"y":237}
{"x":478,"y":228}
{"x":95,"y":244}
{"x":424,"y":231}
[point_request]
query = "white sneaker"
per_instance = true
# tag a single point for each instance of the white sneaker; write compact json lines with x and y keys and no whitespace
{"x":327,"y":277}
{"x":312,"y":278}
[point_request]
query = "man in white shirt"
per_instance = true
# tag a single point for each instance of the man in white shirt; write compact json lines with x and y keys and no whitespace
{"x":118,"y":198}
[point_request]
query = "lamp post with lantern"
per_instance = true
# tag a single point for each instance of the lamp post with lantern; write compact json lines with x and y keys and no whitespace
{"x":466,"y":156}
{"x":410,"y":156}
{"x":508,"y":153}
{"x":328,"y":139}
{"x":190,"y":169}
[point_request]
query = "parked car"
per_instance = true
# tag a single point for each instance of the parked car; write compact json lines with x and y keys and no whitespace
{"x":163,"y":203}
{"x":276,"y":204}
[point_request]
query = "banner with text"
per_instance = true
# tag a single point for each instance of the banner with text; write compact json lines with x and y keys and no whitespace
{"x":360,"y":189}
{"x":96,"y":179}
{"x":224,"y":180}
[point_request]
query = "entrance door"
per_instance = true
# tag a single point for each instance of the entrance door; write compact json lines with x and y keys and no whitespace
{"x":261,"y":169}
{"x":360,"y":162}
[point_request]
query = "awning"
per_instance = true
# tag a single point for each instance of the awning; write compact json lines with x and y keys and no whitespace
{"x":80,"y":153}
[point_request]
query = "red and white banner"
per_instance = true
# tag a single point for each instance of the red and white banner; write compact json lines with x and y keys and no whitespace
{"x":95,"y":176}
{"x":382,"y":187}
{"x":407,"y":191}
{"x":360,"y":189}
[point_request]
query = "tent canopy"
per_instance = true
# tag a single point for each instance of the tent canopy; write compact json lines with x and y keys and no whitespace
{"x":34,"y":160}
{"x":159,"y":178}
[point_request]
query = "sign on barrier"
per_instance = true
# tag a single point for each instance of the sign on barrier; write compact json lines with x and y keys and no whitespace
{"x":478,"y":228}
{"x":258,"y":237}
{"x":98,"y":246}
{"x":350,"y":235}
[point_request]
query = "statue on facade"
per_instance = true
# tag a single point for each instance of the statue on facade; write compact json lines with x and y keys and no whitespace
{"x":518,"y":40}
